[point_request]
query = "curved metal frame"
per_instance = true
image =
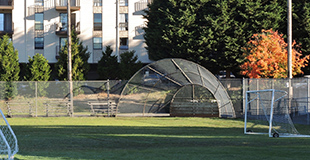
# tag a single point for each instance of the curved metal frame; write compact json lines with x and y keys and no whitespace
{"x":207,"y":80}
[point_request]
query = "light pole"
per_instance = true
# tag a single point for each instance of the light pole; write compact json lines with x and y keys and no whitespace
{"x":117,"y":31}
{"x":289,"y":38}
{"x":289,"y":51}
{"x":69,"y":57}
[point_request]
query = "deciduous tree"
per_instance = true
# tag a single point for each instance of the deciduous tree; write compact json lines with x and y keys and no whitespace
{"x":266,"y":56}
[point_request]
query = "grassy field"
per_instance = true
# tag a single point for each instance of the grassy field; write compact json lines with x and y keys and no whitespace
{"x":149,"y":139}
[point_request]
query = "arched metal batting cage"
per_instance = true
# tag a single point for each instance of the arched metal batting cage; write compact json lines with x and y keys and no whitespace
{"x":175,"y":87}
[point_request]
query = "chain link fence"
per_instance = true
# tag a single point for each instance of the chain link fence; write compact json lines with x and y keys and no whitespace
{"x":297,"y":87}
{"x":38,"y":99}
{"x":100,"y":98}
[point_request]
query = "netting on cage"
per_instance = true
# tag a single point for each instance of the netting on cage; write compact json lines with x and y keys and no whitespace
{"x":234,"y":87}
{"x":98,"y":94}
{"x":299,"y":95}
{"x":194,"y":100}
{"x":267,"y":112}
{"x":152,"y":88}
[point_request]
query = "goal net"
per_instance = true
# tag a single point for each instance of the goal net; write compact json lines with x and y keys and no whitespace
{"x":8,"y":140}
{"x":267,"y":112}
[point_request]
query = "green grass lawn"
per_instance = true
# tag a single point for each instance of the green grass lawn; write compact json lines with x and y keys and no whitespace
{"x":149,"y":138}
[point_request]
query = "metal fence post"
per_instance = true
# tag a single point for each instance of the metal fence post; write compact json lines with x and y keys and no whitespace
{"x":108,"y":97}
{"x":108,"y":90}
{"x":36,"y":85}
{"x":308,"y":94}
{"x":243,"y":95}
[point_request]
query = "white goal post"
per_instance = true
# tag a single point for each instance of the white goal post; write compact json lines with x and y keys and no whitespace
{"x":8,"y":140}
{"x":267,"y":112}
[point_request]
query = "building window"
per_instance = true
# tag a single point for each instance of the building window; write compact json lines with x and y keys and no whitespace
{"x":38,"y":42}
{"x":63,"y":21}
{"x":97,"y":21}
{"x":63,"y":2}
{"x":123,"y":22}
{"x":123,"y":2}
{"x":123,"y":44}
{"x":6,"y":22}
{"x":97,"y":41}
{"x":97,"y":3}
{"x":38,"y":21}
{"x":63,"y":41}
{"x":1,"y":22}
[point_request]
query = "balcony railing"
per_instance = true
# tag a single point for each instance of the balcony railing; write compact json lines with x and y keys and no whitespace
{"x":123,"y":3}
{"x":39,"y":2}
{"x":141,"y":6}
{"x":61,"y":5}
{"x":6,"y":4}
{"x":62,"y":29}
{"x":123,"y":26}
{"x":73,"y":3}
{"x":97,"y":3}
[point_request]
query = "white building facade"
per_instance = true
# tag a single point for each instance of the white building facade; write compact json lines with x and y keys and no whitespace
{"x":40,"y":26}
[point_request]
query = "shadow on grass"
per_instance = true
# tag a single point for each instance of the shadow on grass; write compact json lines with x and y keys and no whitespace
{"x":118,"y":142}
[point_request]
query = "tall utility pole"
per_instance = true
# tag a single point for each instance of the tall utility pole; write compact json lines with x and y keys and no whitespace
{"x":289,"y":39}
{"x":289,"y":51}
{"x":117,"y":31}
{"x":69,"y":56}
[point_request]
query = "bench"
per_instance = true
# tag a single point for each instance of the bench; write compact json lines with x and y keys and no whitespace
{"x":190,"y":109}
{"x":57,"y":107}
{"x":108,"y":108}
{"x":20,"y":108}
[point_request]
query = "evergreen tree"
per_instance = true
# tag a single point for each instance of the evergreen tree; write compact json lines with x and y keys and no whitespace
{"x":9,"y":67}
{"x":233,"y":25}
{"x":80,"y":57}
{"x":37,"y":68}
{"x":208,"y":32}
{"x":129,"y":65}
{"x":108,"y":67}
{"x":172,"y":30}
{"x":301,"y":27}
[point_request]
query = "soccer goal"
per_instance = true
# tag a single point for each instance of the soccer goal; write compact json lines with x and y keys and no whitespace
{"x":267,"y":112}
{"x":8,"y":140}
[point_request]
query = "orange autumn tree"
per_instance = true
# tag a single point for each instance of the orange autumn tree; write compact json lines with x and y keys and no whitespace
{"x":266,"y":56}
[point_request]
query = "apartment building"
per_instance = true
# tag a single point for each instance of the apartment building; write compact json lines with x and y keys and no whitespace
{"x":40,"y":26}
